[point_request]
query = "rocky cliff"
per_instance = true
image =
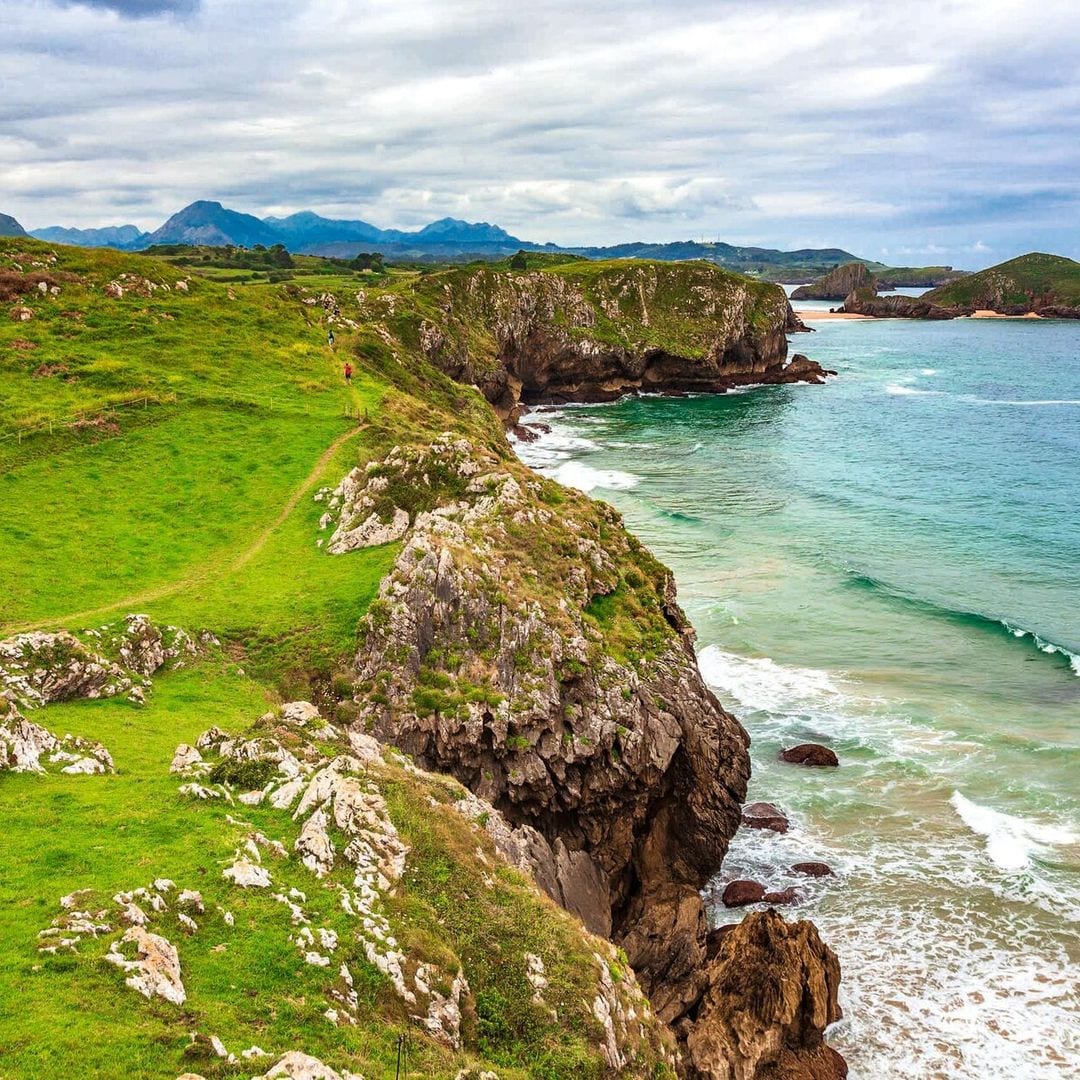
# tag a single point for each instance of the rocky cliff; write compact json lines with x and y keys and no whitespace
{"x":1047,"y":285}
{"x":525,"y":643}
{"x":1036,"y":284}
{"x":595,"y":331}
{"x":865,"y":301}
{"x":836,"y":284}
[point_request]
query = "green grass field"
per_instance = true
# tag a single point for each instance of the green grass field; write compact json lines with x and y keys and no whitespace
{"x":159,"y":453}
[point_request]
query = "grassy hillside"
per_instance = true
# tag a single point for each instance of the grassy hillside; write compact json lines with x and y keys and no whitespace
{"x":1030,"y":282}
{"x":162,"y":437}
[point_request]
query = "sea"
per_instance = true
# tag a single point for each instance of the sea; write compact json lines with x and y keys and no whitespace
{"x":890,"y":565}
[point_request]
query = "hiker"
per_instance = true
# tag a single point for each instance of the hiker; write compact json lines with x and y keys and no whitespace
{"x":348,"y":372}
{"x":330,"y":338}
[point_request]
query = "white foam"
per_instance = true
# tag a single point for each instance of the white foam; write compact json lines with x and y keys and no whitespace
{"x":900,"y":388}
{"x":1045,"y":646}
{"x":584,"y":478}
{"x":1010,"y":840}
{"x":760,"y":683}
{"x":929,"y":370}
{"x":1042,"y":401}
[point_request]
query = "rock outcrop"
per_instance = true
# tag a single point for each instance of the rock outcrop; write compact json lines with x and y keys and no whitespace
{"x":836,"y":284}
{"x":865,"y":301}
{"x":582,"y":333}
{"x":562,"y":689}
{"x":772,"y":992}
{"x":29,"y":747}
{"x":38,"y":667}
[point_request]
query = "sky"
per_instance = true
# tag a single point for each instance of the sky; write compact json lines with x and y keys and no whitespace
{"x":911,"y":134}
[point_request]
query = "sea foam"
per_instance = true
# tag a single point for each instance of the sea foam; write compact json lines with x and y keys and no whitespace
{"x":1010,"y":841}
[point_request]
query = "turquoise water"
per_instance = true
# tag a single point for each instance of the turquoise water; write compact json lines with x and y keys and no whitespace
{"x":891,"y":565}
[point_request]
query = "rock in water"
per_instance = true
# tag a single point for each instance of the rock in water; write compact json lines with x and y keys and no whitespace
{"x":784,"y":896}
{"x":740,"y":893}
{"x":812,"y":869}
{"x":813,"y":754}
{"x":763,"y":815}
{"x":772,"y":992}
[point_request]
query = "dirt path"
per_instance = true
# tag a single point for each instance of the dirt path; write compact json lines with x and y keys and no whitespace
{"x":132,"y":603}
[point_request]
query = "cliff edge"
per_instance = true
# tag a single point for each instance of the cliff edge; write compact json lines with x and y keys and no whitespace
{"x":594,"y":331}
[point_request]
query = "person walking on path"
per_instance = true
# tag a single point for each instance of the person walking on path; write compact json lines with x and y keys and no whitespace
{"x":348,"y":373}
{"x":330,"y":337}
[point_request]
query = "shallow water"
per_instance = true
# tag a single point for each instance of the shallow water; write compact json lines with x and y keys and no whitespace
{"x":891,"y":565}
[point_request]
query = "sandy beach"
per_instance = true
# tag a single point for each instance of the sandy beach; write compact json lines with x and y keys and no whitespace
{"x":817,"y":316}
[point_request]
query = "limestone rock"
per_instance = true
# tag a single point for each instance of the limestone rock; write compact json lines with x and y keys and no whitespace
{"x":299,"y":1066}
{"x":29,"y":747}
{"x":155,"y":971}
{"x":247,"y":874}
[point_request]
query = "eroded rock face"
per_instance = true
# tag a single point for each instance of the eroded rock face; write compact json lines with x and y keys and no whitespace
{"x":533,"y":337}
{"x":837,"y":283}
{"x":772,"y":991}
{"x":625,"y":765}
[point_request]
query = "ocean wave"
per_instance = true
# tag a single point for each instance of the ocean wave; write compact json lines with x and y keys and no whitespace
{"x":764,"y":685}
{"x":902,"y":388}
{"x":929,"y":370}
{"x":585,"y":478}
{"x":1007,"y":401}
{"x":1011,"y":841}
{"x":966,"y":617}
{"x":1044,"y":646}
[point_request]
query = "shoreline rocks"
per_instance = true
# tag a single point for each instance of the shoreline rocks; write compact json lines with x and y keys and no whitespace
{"x":812,"y":755}
{"x":764,"y":815}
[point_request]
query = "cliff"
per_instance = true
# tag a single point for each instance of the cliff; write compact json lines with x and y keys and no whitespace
{"x":231,"y":821}
{"x":594,"y":331}
{"x":1047,"y":285}
{"x":865,"y":301}
{"x":852,"y":276}
{"x":836,"y":284}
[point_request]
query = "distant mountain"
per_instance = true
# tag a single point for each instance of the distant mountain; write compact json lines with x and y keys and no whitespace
{"x":446,"y":240}
{"x":211,"y":223}
{"x":10,"y":227}
{"x":449,"y":230}
{"x":123,"y":237}
{"x":306,"y":228}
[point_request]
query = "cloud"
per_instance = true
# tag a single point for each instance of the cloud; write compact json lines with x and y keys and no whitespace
{"x":778,"y":123}
{"x":138,"y":9}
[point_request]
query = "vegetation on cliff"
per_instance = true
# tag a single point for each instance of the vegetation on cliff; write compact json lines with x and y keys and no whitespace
{"x":1031,"y":283}
{"x":174,"y":445}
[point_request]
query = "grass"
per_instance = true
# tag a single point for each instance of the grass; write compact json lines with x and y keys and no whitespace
{"x":1015,"y":283}
{"x":195,"y":507}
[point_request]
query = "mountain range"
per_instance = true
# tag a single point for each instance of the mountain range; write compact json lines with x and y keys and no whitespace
{"x":447,"y":240}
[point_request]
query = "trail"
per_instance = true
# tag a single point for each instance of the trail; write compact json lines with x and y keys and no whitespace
{"x":147,"y":596}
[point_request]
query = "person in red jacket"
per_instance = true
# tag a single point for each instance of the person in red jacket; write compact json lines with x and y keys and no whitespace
{"x":348,"y":372}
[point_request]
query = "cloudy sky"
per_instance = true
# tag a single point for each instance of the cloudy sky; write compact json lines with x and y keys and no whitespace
{"x":945,"y":132}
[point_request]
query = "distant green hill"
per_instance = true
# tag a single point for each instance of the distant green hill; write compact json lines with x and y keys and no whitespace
{"x":1031,"y":283}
